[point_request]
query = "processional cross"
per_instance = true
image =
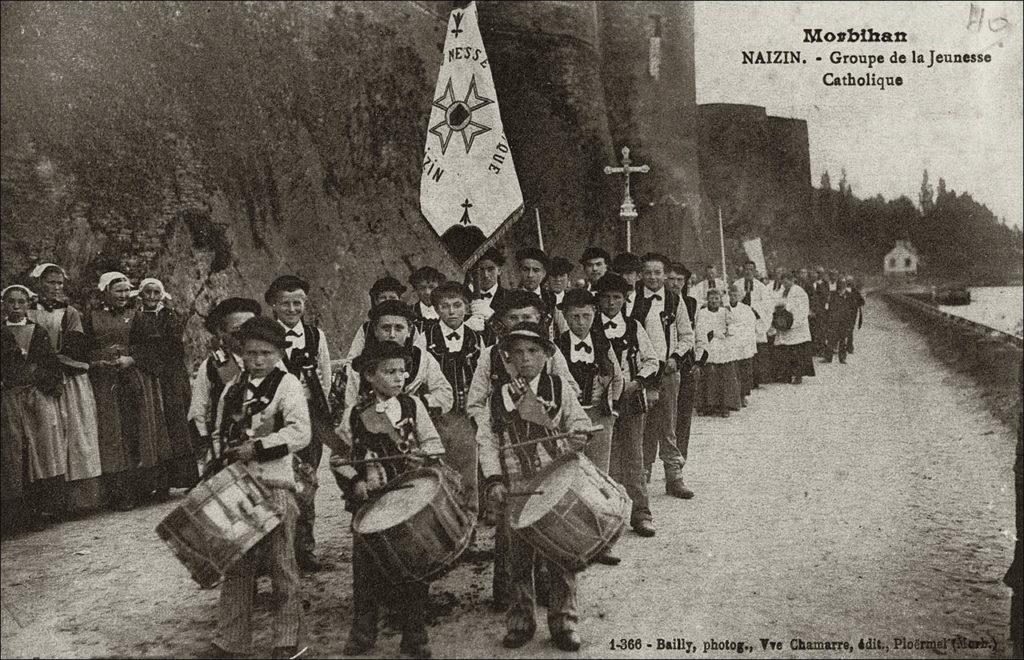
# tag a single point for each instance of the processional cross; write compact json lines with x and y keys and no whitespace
{"x":627,"y":211}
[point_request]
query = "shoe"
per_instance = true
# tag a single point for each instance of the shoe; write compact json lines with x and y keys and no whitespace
{"x":676,"y":488}
{"x":516,"y":638}
{"x":309,"y":563}
{"x":798,"y":380}
{"x":567,"y":640}
{"x":842,"y":360}
{"x":644,"y":528}
{"x":288,"y":651}
{"x":607,"y":558}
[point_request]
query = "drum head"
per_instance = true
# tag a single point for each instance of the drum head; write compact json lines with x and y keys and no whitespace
{"x":396,"y":506}
{"x":554,"y":485}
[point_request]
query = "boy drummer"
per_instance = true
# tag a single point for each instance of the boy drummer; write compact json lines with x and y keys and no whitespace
{"x":456,"y":347}
{"x":532,"y":405}
{"x":221,"y":365}
{"x":263,"y":419}
{"x":308,"y":359}
{"x":388,"y":423}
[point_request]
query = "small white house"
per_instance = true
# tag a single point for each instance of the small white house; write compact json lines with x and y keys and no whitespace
{"x":901,"y":260}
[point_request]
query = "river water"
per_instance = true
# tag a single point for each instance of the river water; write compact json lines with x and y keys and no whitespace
{"x":999,"y":307}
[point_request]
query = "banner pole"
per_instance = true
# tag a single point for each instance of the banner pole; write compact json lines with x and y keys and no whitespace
{"x":540,"y":231}
{"x":721,"y":238}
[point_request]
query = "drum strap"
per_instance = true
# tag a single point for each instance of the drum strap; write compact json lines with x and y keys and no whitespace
{"x":238,"y":414}
{"x":400,"y":438}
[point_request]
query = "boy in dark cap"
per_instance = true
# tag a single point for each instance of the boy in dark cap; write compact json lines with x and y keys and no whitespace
{"x":222,"y":365}
{"x":640,"y":367}
{"x":484,"y":281}
{"x":389,"y":422}
{"x":384,"y":288}
{"x":668,"y":326}
{"x":308,"y":358}
{"x":423,"y":281}
{"x":391,"y":321}
{"x":593,"y":364}
{"x":595,"y":263}
{"x":512,"y":418}
{"x":262,"y":421}
{"x":457,"y":347}
{"x":532,"y":266}
{"x":557,"y":283}
{"x":628,"y":265}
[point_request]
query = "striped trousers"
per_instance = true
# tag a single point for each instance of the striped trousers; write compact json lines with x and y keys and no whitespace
{"x":234,"y":624}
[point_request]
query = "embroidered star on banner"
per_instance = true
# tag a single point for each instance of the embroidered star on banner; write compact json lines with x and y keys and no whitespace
{"x":458,"y":115}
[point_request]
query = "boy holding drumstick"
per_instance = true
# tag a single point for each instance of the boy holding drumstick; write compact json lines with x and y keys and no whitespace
{"x":532,"y":405}
{"x":387,"y":423}
{"x":262,"y":420}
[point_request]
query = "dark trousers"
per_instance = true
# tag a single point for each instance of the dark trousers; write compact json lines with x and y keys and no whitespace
{"x":684,"y":414}
{"x":626,"y":464}
{"x":306,"y":469}
{"x":838,"y":341}
{"x":520,"y":562}
{"x":371,"y":589}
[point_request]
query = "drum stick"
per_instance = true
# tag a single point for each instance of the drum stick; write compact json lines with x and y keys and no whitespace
{"x":526,"y":493}
{"x":382,"y":459}
{"x":561,"y":436}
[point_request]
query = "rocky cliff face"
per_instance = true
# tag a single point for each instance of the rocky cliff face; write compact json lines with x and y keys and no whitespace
{"x":217,"y":145}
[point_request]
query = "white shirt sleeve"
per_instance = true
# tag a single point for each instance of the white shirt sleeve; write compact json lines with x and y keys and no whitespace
{"x":426,"y":432}
{"x":323,"y":359}
{"x":439,"y":392}
{"x":295,"y":430}
{"x":649,"y":363}
{"x":200,"y":407}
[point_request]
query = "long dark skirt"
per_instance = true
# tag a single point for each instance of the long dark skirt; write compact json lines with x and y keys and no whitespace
{"x":719,"y":388}
{"x":796,"y":361}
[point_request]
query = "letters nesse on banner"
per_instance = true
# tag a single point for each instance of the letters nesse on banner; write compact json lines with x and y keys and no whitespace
{"x":469,"y":191}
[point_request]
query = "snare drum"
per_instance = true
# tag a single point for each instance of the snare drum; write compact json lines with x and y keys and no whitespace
{"x":417,"y":528}
{"x":220,"y":520}
{"x":574,"y":513}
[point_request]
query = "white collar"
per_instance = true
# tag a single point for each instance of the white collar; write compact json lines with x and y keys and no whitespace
{"x":447,"y":330}
{"x":577,"y":340}
{"x":297,"y":328}
{"x":660,"y":292}
{"x":23,"y":321}
{"x":493,"y":290}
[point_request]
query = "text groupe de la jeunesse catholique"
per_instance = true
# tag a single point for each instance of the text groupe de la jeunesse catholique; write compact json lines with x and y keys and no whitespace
{"x":862,"y":36}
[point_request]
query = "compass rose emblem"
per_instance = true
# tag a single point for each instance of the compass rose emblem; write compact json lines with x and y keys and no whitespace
{"x":458,"y":115}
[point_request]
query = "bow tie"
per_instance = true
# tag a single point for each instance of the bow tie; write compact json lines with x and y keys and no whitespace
{"x":611,"y":325}
{"x":583,"y":347}
{"x":654,"y":296}
{"x":52,"y":305}
{"x":453,"y":336}
{"x":485,"y":296}
{"x":291,"y":333}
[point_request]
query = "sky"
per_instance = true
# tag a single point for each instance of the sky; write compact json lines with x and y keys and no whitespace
{"x":961,"y":122}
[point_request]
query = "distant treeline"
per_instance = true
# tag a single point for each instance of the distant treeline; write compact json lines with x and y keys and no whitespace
{"x":956,"y":237}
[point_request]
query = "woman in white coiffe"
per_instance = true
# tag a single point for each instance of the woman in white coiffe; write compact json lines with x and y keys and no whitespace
{"x":63,"y":323}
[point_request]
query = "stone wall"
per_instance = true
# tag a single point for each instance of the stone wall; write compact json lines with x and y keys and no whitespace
{"x":217,"y":145}
{"x":757,"y":169}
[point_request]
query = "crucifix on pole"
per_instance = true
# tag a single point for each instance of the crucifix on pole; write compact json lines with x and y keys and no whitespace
{"x":627,"y":211}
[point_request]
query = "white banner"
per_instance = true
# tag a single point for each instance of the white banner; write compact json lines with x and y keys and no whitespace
{"x":752,"y":248}
{"x":469,"y":191}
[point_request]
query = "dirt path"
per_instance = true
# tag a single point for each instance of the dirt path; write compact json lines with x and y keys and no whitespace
{"x":874,"y":501}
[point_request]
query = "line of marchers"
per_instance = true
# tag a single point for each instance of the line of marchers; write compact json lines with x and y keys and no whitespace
{"x":864,"y":35}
